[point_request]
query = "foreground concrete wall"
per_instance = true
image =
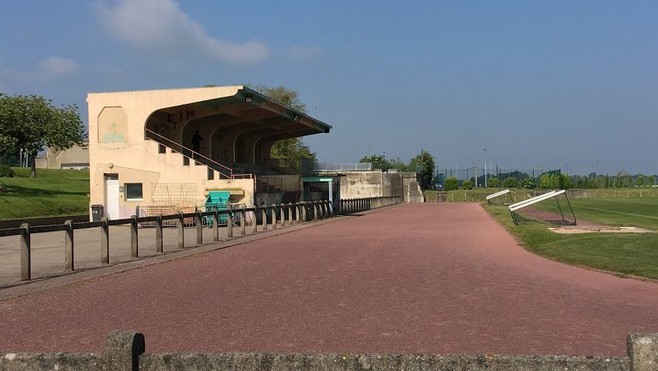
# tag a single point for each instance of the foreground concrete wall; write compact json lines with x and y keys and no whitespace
{"x":126,"y":351}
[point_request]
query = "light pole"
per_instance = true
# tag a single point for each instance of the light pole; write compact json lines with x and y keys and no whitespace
{"x":485,"y":168}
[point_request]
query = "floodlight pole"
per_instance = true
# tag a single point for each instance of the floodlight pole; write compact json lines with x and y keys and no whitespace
{"x":485,"y":168}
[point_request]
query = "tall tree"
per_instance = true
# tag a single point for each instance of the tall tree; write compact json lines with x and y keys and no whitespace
{"x":290,"y":152}
{"x":32,"y":122}
{"x":379,"y":162}
{"x":423,"y":164}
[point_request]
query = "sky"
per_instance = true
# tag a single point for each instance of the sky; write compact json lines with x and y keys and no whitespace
{"x":570,"y":84}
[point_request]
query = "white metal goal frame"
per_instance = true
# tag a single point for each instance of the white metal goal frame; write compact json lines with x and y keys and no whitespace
{"x":490,"y":198}
{"x":560,"y":209}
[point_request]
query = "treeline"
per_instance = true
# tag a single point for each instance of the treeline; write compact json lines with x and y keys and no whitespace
{"x":554,"y":180}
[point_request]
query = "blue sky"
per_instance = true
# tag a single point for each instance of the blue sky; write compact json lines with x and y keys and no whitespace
{"x":568,"y":84}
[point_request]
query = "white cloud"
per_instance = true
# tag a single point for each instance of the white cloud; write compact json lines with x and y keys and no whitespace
{"x":162,"y":26}
{"x":55,"y":67}
{"x":298,"y":52}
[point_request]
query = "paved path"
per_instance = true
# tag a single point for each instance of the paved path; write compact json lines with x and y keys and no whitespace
{"x":431,"y":278}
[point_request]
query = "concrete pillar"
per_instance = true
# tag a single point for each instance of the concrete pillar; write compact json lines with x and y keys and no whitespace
{"x":243,"y":221}
{"x":199,"y":228}
{"x":283,"y":215}
{"x":105,"y":241}
{"x":159,"y":240}
{"x":254,"y":223}
{"x":229,"y":221}
{"x":69,"y":246}
{"x":134,"y":238}
{"x":26,"y":253}
{"x":643,"y":351}
{"x":331,"y":191}
{"x":180,"y":227}
{"x":273,"y":216}
{"x":122,"y":350}
{"x":215,"y":226}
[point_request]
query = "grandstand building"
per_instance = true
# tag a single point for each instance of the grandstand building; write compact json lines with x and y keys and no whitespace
{"x":165,"y":150}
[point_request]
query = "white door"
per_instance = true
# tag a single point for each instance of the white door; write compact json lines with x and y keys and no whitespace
{"x":112,"y":196}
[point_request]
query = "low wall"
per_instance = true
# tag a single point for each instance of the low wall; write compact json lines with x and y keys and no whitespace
{"x":126,"y":351}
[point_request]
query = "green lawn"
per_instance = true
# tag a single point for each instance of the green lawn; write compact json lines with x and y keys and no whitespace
{"x":625,"y":254}
{"x":52,"y":192}
{"x":636,"y":212}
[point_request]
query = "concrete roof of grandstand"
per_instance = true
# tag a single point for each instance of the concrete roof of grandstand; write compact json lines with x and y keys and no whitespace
{"x":243,"y":109}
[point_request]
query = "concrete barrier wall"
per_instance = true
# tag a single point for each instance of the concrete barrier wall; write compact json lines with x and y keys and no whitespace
{"x":126,"y":351}
{"x":392,"y":184}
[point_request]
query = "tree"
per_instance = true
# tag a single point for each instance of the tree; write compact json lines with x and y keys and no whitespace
{"x":451,"y":183}
{"x":379,"y":162}
{"x":32,"y":122}
{"x":290,"y":152}
{"x":423,"y":164}
{"x":529,"y":183}
{"x":493,"y":183}
{"x":510,"y":182}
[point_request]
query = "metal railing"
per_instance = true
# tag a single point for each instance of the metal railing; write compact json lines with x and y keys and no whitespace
{"x":355,"y":205}
{"x":261,"y":218}
{"x":188,"y":154}
{"x":272,"y":217}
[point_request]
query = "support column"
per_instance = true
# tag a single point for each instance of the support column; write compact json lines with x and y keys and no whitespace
{"x":105,"y":241}
{"x":26,"y":253}
{"x":134,"y":238}
{"x":69,"y":246}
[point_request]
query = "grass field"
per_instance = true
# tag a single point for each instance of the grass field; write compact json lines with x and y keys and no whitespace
{"x":52,"y":192}
{"x":636,"y":212}
{"x":625,"y":254}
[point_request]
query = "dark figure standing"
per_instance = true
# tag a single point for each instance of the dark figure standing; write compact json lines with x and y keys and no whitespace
{"x":196,"y":143}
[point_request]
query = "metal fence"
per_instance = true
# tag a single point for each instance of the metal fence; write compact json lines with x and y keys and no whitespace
{"x":237,"y":218}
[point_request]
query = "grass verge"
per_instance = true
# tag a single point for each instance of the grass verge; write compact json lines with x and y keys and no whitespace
{"x":626,"y":254}
{"x":52,"y":193}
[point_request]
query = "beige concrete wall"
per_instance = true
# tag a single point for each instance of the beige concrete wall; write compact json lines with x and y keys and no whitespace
{"x":392,"y":184}
{"x":117,"y":145}
{"x":365,"y":184}
{"x":361,"y":184}
{"x":53,"y":159}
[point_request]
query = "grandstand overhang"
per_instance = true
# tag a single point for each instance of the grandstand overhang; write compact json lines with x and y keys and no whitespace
{"x":239,"y":108}
{"x":239,"y":125}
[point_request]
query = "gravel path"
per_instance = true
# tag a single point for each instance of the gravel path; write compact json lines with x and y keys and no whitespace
{"x":415,"y":278}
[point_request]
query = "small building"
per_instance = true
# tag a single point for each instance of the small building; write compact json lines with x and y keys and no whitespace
{"x":164,"y":150}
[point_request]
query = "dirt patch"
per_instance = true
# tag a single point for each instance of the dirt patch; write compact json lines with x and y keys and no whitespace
{"x":576,"y":229}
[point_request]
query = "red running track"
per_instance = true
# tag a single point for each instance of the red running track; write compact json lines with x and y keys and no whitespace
{"x":416,"y":278}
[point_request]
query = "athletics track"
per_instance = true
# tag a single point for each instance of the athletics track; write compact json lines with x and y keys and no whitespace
{"x":415,"y":278}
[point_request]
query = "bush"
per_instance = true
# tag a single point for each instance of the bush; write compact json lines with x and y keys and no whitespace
{"x":451,"y":183}
{"x":493,"y":183}
{"x":510,"y":182}
{"x":6,"y":171}
{"x":529,"y":183}
{"x":467,"y":184}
